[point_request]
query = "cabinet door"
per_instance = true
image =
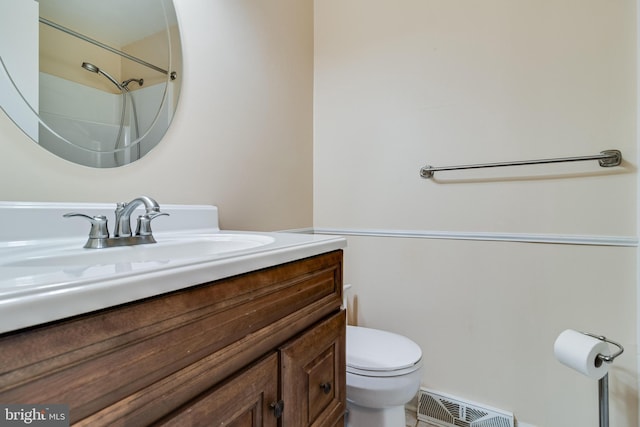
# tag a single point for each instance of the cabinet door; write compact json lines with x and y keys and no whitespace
{"x":243,"y":401}
{"x":313,"y":375}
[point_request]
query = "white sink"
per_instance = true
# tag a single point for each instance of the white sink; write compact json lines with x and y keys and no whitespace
{"x":166,"y":249}
{"x":47,"y":275}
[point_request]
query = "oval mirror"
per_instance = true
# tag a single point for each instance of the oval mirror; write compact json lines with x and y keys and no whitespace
{"x":95,"y":82}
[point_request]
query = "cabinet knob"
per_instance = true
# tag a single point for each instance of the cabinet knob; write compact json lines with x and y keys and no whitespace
{"x":326,"y":387}
{"x":278,"y":408}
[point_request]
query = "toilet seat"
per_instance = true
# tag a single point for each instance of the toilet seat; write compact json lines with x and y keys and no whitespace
{"x":376,"y":353}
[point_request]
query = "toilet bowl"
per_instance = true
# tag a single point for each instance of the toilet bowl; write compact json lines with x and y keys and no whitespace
{"x":383,"y":374}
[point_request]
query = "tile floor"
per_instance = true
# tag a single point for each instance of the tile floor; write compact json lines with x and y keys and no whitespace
{"x":413,"y":422}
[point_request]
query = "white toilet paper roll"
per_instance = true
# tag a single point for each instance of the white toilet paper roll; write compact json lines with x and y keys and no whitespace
{"x":579,"y":351}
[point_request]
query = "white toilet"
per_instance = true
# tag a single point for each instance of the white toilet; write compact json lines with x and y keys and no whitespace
{"x":383,"y":374}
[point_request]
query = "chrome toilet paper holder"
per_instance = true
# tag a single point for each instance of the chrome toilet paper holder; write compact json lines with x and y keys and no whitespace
{"x":603,"y":383}
{"x":604,"y":357}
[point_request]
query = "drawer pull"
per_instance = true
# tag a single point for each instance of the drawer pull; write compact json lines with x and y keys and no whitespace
{"x":278,"y":408}
{"x":326,"y":387}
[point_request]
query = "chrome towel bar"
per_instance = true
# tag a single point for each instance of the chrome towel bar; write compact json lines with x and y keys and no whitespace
{"x":606,"y":159}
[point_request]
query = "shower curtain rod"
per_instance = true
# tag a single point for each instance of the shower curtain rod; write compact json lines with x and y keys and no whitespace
{"x":104,"y":46}
{"x":606,"y":159}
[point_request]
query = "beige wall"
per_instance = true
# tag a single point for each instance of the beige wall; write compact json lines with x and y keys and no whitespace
{"x":242,"y":136}
{"x":401,"y":84}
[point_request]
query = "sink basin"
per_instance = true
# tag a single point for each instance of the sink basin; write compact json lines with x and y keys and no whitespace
{"x":167,"y":249}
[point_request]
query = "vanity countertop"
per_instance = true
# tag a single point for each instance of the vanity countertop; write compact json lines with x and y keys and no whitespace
{"x":33,"y":293}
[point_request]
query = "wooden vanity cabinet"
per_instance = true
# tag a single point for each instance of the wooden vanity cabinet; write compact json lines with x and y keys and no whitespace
{"x":266,"y":348}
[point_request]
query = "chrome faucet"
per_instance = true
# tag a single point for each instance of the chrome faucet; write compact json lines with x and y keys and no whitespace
{"x":122,"y":236}
{"x":124,"y":211}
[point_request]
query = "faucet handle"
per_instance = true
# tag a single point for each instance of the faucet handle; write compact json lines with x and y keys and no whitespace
{"x":143,"y":226}
{"x":99,"y":229}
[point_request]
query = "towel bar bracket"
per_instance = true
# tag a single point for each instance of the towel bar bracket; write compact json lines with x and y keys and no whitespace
{"x":614,"y":158}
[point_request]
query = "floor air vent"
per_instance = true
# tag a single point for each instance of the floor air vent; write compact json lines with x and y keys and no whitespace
{"x":446,"y":411}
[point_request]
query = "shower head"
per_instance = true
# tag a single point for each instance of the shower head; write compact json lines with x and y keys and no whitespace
{"x":90,"y":67}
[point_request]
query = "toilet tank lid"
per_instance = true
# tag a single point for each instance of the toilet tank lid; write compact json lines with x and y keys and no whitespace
{"x":376,"y":350}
